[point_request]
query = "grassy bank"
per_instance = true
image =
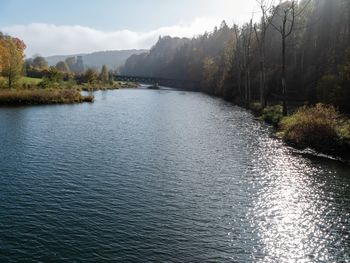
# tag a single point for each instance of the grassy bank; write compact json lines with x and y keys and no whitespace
{"x":115,"y":85}
{"x":21,"y":82}
{"x":29,"y":81}
{"x":319,"y":127}
{"x":34,"y":91}
{"x":42,"y":96}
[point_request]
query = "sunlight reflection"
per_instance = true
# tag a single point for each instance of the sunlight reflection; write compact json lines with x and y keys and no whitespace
{"x":289,"y":214}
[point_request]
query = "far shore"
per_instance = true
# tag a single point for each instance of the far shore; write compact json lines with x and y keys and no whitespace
{"x":29,"y":91}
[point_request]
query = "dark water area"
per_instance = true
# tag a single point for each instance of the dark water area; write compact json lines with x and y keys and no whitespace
{"x":163,"y":176}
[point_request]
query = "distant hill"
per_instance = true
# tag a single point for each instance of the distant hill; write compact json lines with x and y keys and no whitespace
{"x":113,"y":59}
{"x":162,"y":60}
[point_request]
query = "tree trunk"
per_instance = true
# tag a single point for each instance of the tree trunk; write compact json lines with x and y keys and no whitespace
{"x":261,"y":86}
{"x":240,"y":84}
{"x":264,"y":104}
{"x":262,"y":82}
{"x":248,"y":85}
{"x":283,"y":78}
{"x":246,"y":88}
{"x":10,"y":80}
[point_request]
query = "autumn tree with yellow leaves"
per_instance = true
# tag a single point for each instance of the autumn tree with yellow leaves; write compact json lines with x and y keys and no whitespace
{"x":11,"y":59}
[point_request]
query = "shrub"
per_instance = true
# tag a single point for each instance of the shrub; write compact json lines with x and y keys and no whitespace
{"x":272,"y":114}
{"x":344,"y":131}
{"x":3,"y":83}
{"x":256,"y":108}
{"x":90,"y":76}
{"x":320,"y":127}
{"x":45,"y":83}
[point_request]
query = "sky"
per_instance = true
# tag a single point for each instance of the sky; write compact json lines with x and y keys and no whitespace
{"x":64,"y":27}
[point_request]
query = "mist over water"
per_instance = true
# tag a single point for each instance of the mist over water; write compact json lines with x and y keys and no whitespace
{"x":167,"y":176}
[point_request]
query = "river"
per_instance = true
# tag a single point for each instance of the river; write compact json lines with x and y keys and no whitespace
{"x":163,"y":176}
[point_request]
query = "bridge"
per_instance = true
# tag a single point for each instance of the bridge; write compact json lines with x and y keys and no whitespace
{"x":168,"y":82}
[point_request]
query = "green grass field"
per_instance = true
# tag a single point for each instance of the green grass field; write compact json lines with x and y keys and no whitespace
{"x":29,"y":81}
{"x":23,"y":80}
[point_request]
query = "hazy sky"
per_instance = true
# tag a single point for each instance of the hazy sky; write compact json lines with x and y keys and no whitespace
{"x":51,"y":27}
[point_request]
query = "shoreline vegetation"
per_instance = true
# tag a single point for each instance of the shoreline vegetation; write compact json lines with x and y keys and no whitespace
{"x":238,"y":63}
{"x":320,"y":127}
{"x":297,"y":54}
{"x":114,"y":86}
{"x":32,"y":81}
{"x":32,"y":92}
{"x":18,"y":97}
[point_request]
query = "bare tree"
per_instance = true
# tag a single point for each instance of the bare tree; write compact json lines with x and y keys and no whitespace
{"x":238,"y":56}
{"x":287,"y":13}
{"x":260,"y":33}
{"x":247,"y":39}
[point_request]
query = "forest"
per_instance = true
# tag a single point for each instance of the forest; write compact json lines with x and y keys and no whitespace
{"x":297,"y":53}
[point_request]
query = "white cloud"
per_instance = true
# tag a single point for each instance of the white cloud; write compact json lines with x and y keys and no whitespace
{"x":49,"y":39}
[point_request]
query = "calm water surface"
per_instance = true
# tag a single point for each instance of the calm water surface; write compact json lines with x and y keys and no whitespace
{"x":163,"y":176}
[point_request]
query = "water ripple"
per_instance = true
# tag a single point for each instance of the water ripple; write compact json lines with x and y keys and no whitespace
{"x":153,"y":176}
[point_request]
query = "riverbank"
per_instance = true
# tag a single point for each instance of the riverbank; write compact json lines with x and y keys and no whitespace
{"x":34,"y":91}
{"x":113,"y":86}
{"x":42,"y":96}
{"x":321,"y":128}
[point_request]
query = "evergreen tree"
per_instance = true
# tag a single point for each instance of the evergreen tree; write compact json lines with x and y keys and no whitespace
{"x":104,"y":76}
{"x":62,"y":66}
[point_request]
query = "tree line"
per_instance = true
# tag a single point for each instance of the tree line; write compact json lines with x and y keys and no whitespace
{"x":13,"y":66}
{"x":298,"y":52}
{"x":71,"y":70}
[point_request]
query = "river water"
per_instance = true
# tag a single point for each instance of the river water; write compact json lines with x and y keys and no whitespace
{"x":163,"y":176}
